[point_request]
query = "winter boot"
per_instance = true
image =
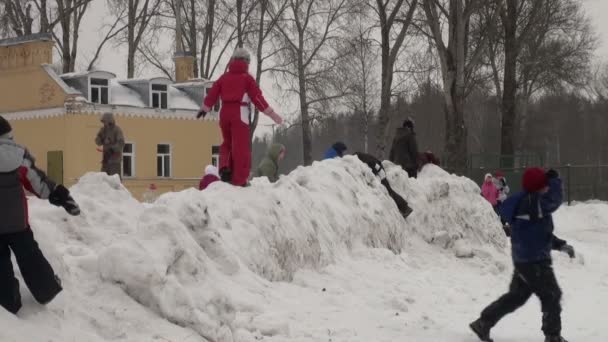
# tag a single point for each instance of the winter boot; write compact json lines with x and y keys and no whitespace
{"x":482,"y":330}
{"x":226,"y":175}
{"x":555,"y":339}
{"x":406,"y":212}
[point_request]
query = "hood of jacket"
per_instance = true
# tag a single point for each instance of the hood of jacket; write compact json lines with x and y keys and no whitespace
{"x":11,"y":155}
{"x":403,"y":132}
{"x":274,"y":151}
{"x":212,"y":170}
{"x":108,"y":119}
{"x":238,"y":66}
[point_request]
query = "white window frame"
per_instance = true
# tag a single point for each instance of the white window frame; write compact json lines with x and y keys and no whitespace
{"x":159,"y":92}
{"x":133,"y":163}
{"x":215,"y":157}
{"x":170,"y":154}
{"x":91,"y":86}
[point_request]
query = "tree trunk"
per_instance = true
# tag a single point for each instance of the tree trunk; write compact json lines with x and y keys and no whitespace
{"x":510,"y":82}
{"x":258,"y":71}
{"x":385,"y":94}
{"x":239,"y":23}
{"x":131,"y":39}
{"x":306,"y":129}
{"x":207,"y":39}
{"x":193,"y":36}
{"x":44,"y":19}
{"x":456,"y":134}
{"x":66,"y":30}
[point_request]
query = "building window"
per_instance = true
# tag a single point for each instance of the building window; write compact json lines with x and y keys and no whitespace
{"x":163,"y":160}
{"x":215,"y":155}
{"x":128,"y":160}
{"x":100,"y":91}
{"x":159,"y":96}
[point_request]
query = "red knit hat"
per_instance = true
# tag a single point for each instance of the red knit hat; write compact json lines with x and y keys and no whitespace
{"x":534,"y":179}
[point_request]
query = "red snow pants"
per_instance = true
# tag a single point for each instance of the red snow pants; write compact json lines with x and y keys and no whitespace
{"x":235,"y":151}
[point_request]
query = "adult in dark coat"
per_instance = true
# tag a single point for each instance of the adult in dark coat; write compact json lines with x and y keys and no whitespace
{"x":404,"y":151}
{"x":376,"y":166}
{"x":18,"y":172}
{"x":110,"y":136}
{"x":532,"y":239}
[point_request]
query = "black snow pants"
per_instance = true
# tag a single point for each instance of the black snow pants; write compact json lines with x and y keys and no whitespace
{"x":35,"y":269}
{"x":399,"y":201}
{"x":530,"y":278}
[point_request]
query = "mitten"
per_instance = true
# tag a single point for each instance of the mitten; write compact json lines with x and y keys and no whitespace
{"x":61,"y":198}
{"x":568,"y":250}
{"x":201,"y":113}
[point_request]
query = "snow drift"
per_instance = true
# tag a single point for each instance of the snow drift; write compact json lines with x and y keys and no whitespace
{"x":204,"y":266}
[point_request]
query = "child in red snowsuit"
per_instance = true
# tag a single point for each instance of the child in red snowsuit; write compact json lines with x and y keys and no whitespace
{"x":237,"y":90}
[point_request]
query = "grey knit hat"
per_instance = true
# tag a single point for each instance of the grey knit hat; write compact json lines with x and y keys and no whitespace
{"x":241,"y":53}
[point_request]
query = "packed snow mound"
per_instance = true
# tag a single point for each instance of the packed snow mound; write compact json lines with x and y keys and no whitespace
{"x":200,"y":264}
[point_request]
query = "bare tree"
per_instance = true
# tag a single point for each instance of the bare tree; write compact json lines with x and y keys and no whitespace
{"x":18,"y":19}
{"x":393,"y":20}
{"x":113,"y":31}
{"x":307,"y":58}
{"x":139,"y":15}
{"x":70,"y":14}
{"x":265,"y":26}
{"x":360,"y":73}
{"x":460,"y":59}
{"x":536,"y":45}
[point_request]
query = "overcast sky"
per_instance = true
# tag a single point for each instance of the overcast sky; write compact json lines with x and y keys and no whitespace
{"x":114,"y":58}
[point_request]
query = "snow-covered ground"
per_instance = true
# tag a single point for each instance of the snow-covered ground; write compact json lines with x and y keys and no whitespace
{"x":322,"y":255}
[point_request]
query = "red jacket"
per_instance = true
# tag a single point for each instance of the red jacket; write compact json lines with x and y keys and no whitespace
{"x":233,"y":86}
{"x":206,"y":181}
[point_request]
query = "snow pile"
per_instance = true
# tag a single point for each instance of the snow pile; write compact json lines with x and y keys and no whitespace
{"x":204,"y":266}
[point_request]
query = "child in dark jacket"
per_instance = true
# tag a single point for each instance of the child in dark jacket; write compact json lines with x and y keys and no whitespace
{"x":378,"y":170}
{"x":18,"y":171}
{"x":532,"y":239}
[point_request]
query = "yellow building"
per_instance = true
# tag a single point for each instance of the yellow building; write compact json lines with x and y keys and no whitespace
{"x":58,"y":116}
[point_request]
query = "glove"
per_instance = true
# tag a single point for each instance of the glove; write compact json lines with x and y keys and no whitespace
{"x":201,"y":113}
{"x":568,"y":250}
{"x":61,"y":197}
{"x":552,"y":174}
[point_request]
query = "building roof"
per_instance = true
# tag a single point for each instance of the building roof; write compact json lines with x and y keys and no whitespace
{"x":155,"y":80}
{"x":45,"y":37}
{"x":123,"y":94}
{"x":93,"y":73}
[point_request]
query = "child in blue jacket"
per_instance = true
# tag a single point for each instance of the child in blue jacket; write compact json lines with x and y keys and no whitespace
{"x":532,"y":239}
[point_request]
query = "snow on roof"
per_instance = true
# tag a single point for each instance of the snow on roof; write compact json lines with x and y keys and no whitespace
{"x":155,"y":80}
{"x":179,"y":99}
{"x":125,"y":96}
{"x":194,"y":83}
{"x":27,"y":39}
{"x":94,"y":73}
{"x":66,"y":88}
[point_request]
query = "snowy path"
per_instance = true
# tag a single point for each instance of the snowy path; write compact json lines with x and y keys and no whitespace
{"x":380,"y":297}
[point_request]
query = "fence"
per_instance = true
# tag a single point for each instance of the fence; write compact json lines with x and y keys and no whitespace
{"x":581,"y":182}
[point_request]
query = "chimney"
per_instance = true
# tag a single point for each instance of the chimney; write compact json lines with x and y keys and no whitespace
{"x":184,"y":61}
{"x":26,"y":52}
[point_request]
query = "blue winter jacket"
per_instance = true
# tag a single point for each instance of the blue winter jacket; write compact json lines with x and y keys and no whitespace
{"x":529,"y":215}
{"x":330,"y":153}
